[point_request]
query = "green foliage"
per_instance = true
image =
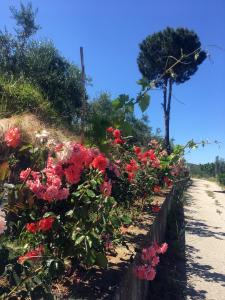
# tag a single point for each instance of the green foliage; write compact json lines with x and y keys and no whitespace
{"x":209,"y":170}
{"x":25,"y":21}
{"x":160,"y":51}
{"x":105,"y":112}
{"x":19,"y":96}
{"x":41,"y":64}
{"x":144,"y":102}
{"x":221,"y":178}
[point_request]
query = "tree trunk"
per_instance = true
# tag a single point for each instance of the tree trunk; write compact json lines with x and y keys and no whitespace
{"x":166,"y":107}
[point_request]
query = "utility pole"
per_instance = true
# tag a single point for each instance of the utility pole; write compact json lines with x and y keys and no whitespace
{"x":84,"y":101}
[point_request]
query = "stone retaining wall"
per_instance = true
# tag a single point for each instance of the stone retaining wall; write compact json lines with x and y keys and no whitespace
{"x":131,"y":288}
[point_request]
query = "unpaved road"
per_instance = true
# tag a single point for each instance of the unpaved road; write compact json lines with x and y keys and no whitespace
{"x":205,"y":241}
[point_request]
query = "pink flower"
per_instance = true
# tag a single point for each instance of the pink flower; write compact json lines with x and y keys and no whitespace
{"x":150,"y":274}
{"x":164,"y":248}
{"x":156,"y":163}
{"x":145,"y":272}
{"x":148,"y":253}
{"x":63,"y":194}
{"x":106,"y":188}
{"x":155,"y":261}
{"x":13,"y":137}
{"x":2,"y":222}
{"x":24,"y":174}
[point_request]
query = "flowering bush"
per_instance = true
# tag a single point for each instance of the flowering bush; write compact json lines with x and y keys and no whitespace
{"x":61,"y":202}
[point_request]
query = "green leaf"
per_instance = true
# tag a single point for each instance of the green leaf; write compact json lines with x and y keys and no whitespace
{"x":90,"y":193}
{"x":129,"y":108}
{"x":79,"y":240}
{"x":126,"y":219}
{"x":69,"y":213}
{"x":89,"y":241}
{"x":101,"y":260}
{"x":25,"y":147}
{"x":144,"y":83}
{"x":48,"y":214}
{"x":117,"y":103}
{"x":126,"y":127}
{"x":144,"y":102}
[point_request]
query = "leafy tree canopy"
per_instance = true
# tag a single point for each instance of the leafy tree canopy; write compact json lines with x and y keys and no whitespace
{"x":41,"y":64}
{"x":161,"y":50}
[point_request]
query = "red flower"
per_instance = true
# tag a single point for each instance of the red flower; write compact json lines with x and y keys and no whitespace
{"x":45,"y":224}
{"x":131,"y":176}
{"x":168,"y":181}
{"x":156,"y":189}
{"x":100,"y":162}
{"x":155,"y":208}
{"x":137,"y":150}
{"x":116,"y":133}
{"x":119,"y":141}
{"x":32,"y":227}
{"x":13,"y":137}
{"x":110,"y":129}
{"x":32,"y":255}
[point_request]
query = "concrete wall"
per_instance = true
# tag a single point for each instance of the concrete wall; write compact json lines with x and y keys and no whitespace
{"x":131,"y":288}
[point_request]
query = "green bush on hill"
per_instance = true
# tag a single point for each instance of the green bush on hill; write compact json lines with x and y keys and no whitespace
{"x":17,"y":96}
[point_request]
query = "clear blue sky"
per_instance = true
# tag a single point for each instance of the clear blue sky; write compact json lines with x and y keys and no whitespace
{"x":110,"y":32}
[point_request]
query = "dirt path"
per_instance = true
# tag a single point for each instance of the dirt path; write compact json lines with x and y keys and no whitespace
{"x":205,"y":241}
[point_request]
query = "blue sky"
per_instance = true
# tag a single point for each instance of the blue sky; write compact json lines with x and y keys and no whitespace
{"x":110,"y":32}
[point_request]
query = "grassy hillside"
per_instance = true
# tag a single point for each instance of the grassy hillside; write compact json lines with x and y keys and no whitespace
{"x":19,"y":96}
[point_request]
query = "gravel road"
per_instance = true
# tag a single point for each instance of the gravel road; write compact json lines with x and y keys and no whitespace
{"x":205,"y":241}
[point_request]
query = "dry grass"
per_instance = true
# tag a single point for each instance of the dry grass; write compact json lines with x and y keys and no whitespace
{"x":30,"y":124}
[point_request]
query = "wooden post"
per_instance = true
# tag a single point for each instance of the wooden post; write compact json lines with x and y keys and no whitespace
{"x":84,"y":102}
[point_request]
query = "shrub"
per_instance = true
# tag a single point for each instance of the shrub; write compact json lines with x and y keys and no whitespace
{"x":62,"y":203}
{"x":19,"y":96}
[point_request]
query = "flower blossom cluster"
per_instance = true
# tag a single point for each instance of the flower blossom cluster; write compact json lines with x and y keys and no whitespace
{"x":32,"y":255}
{"x":2,"y":221}
{"x":150,"y":257}
{"x":43,"y":225}
{"x":71,"y":159}
{"x":52,"y":188}
{"x":116,"y":133}
{"x":148,"y":157}
{"x":131,"y":169}
{"x":13,"y":137}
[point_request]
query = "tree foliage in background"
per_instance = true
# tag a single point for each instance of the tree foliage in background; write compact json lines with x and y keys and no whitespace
{"x":210,"y":170}
{"x":105,"y":112}
{"x":41,"y":64}
{"x":167,"y":57}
